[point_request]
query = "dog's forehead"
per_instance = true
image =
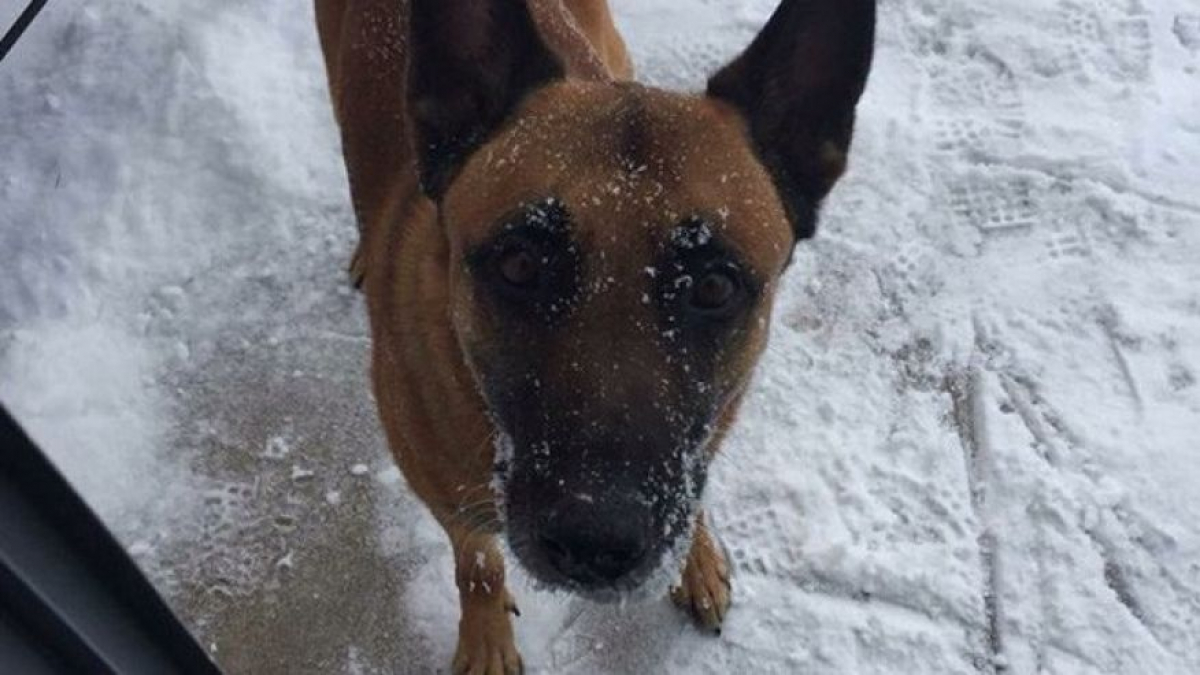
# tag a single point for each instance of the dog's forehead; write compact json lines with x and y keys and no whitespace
{"x":626,"y":160}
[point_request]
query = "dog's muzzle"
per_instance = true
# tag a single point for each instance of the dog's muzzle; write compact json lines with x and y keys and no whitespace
{"x":594,"y":541}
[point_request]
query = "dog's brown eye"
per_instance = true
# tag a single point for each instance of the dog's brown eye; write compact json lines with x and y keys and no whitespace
{"x":714,"y":291}
{"x":520,"y":267}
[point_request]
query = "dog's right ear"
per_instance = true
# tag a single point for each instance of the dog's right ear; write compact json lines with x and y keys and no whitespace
{"x":470,"y":63}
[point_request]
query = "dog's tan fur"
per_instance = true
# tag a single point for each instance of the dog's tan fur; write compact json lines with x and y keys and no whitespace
{"x":402,"y":265}
{"x":692,"y":155}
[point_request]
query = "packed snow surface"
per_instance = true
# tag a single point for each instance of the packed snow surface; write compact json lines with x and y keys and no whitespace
{"x":970,"y":448}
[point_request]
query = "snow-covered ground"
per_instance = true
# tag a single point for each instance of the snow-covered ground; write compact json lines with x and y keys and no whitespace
{"x":972,"y":446}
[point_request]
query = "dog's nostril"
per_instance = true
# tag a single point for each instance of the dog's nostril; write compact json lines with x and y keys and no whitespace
{"x":581,"y":555}
{"x":615,"y":563}
{"x":555,"y":550}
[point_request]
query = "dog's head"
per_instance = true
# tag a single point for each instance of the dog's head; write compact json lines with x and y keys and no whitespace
{"x":615,"y":250}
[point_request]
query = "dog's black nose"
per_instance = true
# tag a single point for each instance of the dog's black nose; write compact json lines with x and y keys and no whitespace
{"x":593,"y":550}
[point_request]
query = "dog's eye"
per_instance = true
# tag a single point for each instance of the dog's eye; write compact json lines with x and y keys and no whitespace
{"x":714,"y":291}
{"x":520,"y":267}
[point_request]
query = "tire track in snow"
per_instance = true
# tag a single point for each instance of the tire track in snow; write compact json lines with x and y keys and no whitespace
{"x":1065,"y":453}
{"x":1116,"y":577}
{"x":964,"y":387}
{"x":1108,"y":321}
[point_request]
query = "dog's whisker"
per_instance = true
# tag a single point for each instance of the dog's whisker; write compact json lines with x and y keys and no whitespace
{"x":475,"y":498}
{"x":474,"y":495}
{"x":485,"y":444}
{"x":481,"y":526}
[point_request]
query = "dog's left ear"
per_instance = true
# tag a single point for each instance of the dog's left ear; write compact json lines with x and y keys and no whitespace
{"x":797,"y":85}
{"x":470,"y":64}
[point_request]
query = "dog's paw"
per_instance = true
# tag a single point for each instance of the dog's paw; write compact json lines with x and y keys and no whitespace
{"x":485,"y":644}
{"x":704,"y":590}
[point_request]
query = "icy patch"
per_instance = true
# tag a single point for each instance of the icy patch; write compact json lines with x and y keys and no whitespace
{"x":85,"y":393}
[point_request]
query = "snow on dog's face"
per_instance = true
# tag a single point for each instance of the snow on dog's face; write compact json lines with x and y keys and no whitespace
{"x":614,"y":251}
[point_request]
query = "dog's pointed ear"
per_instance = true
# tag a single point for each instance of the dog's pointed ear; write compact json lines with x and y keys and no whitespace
{"x":797,"y":85}
{"x":470,"y":63}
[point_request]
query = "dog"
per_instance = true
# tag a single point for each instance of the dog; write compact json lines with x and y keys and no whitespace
{"x":569,"y":276}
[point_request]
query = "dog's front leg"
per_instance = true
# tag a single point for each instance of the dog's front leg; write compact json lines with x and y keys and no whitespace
{"x":485,"y":636}
{"x":704,"y":590}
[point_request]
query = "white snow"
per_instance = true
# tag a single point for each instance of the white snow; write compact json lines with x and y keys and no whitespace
{"x":971,"y":446}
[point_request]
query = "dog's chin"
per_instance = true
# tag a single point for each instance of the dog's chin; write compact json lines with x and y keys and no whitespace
{"x":651,"y":581}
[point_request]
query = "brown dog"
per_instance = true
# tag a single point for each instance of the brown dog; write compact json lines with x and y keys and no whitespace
{"x":569,"y":276}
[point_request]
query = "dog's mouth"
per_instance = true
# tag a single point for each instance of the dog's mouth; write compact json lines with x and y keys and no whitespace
{"x":606,"y":541}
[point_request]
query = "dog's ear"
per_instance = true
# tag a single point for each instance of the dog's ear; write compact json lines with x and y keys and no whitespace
{"x":797,"y":85}
{"x":470,"y":63}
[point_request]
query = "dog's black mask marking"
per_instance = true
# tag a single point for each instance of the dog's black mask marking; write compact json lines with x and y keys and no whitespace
{"x":608,"y":401}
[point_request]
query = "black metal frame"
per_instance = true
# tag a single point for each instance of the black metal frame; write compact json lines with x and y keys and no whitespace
{"x":9,"y":39}
{"x":71,"y":598}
